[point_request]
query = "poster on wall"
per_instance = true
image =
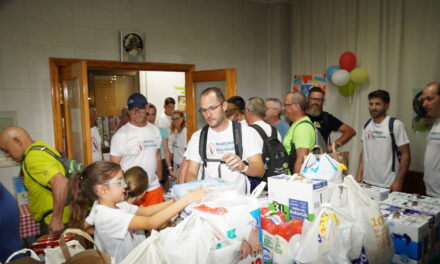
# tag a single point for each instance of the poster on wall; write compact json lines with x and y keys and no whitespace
{"x":420,"y":121}
{"x":305,"y":82}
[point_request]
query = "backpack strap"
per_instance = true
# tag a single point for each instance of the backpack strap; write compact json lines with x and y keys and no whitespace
{"x":325,"y":118}
{"x":238,"y":145}
{"x":202,"y":148}
{"x":263,"y":135}
{"x":394,"y":147}
{"x":366,"y":123}
{"x":308,"y":122}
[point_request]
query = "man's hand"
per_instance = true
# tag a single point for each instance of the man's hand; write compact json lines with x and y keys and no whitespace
{"x":396,"y":186}
{"x":233,"y":161}
{"x":56,"y":228}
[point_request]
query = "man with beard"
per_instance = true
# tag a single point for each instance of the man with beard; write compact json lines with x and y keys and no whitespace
{"x":385,"y":157}
{"x":325,"y":122}
{"x":431,"y":102}
{"x":221,"y":159}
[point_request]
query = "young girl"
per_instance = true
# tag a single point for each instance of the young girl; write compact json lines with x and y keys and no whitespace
{"x":136,"y":180}
{"x":177,"y":140}
{"x":118,"y":224}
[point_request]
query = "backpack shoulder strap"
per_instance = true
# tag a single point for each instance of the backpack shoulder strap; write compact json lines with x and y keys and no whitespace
{"x":238,"y":143}
{"x":366,"y":123}
{"x":202,"y":143}
{"x":274,"y":132}
{"x":394,"y":147}
{"x":30,"y":176}
{"x":259,"y":130}
{"x":302,"y":122}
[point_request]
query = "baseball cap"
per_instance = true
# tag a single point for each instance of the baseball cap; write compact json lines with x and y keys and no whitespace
{"x":136,"y":100}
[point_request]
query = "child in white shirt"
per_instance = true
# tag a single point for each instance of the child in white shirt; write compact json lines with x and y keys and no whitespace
{"x":118,"y":225}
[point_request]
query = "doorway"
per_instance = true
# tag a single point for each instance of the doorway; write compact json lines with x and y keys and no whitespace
{"x":71,"y":120}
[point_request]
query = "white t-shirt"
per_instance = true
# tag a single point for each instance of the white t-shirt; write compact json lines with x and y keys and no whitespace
{"x":268,"y":129}
{"x":164,"y":121}
{"x":96,"y":144}
{"x":177,"y":144}
{"x":378,"y":154}
{"x":111,"y":229}
{"x":138,"y":146}
{"x":219,"y":143}
{"x":432,"y":161}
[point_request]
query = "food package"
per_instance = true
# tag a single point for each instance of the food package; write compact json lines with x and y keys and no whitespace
{"x":297,"y":197}
{"x":416,"y":197}
{"x":376,"y":193}
{"x":180,"y":190}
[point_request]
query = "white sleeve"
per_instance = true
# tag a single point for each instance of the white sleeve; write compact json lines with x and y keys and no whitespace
{"x":252,"y":142}
{"x":192,"y":150}
{"x":158,"y":137}
{"x":400,"y":133}
{"x":129,"y":208}
{"x":117,"y":145}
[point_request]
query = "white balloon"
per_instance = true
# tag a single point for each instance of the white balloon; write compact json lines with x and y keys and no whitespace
{"x":340,"y":77}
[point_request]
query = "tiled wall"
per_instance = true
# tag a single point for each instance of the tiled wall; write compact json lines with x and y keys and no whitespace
{"x":208,"y":33}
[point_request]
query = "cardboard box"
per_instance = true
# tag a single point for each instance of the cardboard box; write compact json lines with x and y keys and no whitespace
{"x":296,"y":197}
{"x":402,"y":259}
{"x":409,"y":234}
{"x":376,"y":193}
{"x":416,"y":197}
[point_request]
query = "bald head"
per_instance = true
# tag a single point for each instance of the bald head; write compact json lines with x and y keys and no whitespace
{"x":14,"y":141}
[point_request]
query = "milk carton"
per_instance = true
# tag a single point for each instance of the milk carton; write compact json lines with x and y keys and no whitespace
{"x":296,"y":197}
{"x":416,"y":197}
{"x":410,"y":236}
{"x":376,"y":193}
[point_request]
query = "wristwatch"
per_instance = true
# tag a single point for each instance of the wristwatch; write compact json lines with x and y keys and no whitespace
{"x":246,"y":166}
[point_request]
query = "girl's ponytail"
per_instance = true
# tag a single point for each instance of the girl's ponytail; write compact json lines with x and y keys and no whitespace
{"x":79,"y":203}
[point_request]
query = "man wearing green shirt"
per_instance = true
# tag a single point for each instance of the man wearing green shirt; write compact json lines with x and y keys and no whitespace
{"x":44,"y":177}
{"x":301,"y":133}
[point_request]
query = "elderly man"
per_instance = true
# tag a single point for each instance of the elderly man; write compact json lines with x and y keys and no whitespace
{"x":218,"y":154}
{"x":272,"y":116}
{"x":44,"y":177}
{"x":300,"y":138}
{"x":431,"y":102}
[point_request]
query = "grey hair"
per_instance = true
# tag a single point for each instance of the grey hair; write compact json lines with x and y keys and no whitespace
{"x":299,"y":98}
{"x":256,"y":106}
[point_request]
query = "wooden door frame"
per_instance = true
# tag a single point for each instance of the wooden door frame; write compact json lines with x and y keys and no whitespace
{"x":191,"y":76}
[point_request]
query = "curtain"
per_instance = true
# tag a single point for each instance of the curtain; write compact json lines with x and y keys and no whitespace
{"x":396,"y":41}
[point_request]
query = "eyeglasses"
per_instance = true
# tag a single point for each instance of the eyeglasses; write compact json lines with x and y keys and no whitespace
{"x":316,"y":99}
{"x":204,"y":111}
{"x":285,"y":105}
{"x":267,"y":108}
{"x":176,"y":118}
{"x":120,"y":182}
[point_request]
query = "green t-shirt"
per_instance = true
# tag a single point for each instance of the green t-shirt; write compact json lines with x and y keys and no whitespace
{"x":42,"y":166}
{"x":303,"y":135}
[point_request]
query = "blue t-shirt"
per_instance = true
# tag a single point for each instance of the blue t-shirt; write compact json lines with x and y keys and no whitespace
{"x":282,"y":128}
{"x":9,"y":225}
{"x":163,"y":135}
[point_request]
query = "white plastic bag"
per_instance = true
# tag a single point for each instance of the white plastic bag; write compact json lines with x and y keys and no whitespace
{"x":55,"y":255}
{"x":377,"y":240}
{"x":33,"y":255}
{"x":149,"y":251}
{"x":322,"y":167}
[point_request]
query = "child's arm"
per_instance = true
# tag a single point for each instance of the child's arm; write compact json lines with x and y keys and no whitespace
{"x":89,"y":228}
{"x":152,"y":209}
{"x":164,"y":215}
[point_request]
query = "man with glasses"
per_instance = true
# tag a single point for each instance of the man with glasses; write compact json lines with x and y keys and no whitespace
{"x":137,"y":143}
{"x":221,"y":159}
{"x":272,"y":116}
{"x":325,"y":122}
{"x":300,"y":138}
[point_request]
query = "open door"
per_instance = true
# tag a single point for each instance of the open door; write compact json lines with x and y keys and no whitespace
{"x":75,"y":109}
{"x":196,"y":82}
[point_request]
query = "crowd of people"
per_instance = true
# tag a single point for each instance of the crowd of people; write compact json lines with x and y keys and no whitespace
{"x":116,"y":200}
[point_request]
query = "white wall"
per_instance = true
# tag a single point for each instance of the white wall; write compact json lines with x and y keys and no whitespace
{"x":208,"y":33}
{"x":158,"y":85}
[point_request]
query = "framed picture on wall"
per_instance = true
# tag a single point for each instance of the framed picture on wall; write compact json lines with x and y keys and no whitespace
{"x":132,"y":46}
{"x":181,"y":103}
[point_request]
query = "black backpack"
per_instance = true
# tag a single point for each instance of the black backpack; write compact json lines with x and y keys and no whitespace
{"x":71,"y":166}
{"x":275,"y":157}
{"x":236,"y":128}
{"x":396,"y":151}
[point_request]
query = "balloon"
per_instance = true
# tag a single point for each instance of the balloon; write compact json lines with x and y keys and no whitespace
{"x":340,"y":77}
{"x":347,"y":61}
{"x":359,"y":75}
{"x":347,"y":89}
{"x":330,"y":71}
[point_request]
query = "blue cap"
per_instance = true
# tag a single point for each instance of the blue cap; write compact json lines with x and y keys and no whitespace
{"x":136,"y":100}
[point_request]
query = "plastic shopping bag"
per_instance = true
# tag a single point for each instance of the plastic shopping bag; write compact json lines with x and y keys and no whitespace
{"x":149,"y":251}
{"x":377,"y":240}
{"x":322,"y":167}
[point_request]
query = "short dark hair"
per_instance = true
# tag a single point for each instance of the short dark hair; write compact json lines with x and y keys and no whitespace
{"x":238,"y":101}
{"x":381,"y":94}
{"x":170,"y":100}
{"x":216,"y":90}
{"x":316,"y":89}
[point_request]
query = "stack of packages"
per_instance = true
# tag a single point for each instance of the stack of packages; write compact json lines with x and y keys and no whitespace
{"x":414,"y":222}
{"x":342,"y":224}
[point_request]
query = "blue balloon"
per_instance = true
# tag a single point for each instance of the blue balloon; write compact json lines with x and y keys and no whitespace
{"x":330,"y":71}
